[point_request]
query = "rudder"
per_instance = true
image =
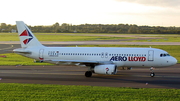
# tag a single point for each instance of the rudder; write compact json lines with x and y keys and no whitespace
{"x":27,"y":38}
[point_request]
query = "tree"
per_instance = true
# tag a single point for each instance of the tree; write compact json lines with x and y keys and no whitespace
{"x":56,"y":27}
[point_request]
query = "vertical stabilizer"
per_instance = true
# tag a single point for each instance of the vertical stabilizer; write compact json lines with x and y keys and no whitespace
{"x":27,"y":38}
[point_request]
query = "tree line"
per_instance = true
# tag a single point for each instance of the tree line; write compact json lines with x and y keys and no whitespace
{"x":95,"y":28}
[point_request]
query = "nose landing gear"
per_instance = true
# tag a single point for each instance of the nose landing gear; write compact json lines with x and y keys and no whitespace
{"x":152,"y":74}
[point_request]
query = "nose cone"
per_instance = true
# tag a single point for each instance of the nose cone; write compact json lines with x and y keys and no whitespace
{"x":173,"y":61}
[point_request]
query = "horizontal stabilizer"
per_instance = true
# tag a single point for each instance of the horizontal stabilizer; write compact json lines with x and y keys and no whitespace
{"x":21,"y":51}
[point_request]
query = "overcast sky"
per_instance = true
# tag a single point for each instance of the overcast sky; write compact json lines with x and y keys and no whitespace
{"x":48,"y":12}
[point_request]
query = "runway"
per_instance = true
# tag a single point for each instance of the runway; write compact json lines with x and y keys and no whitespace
{"x":73,"y":75}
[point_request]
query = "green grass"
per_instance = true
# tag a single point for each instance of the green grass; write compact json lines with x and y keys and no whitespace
{"x":93,"y":36}
{"x":38,"y":92}
{"x":60,"y":37}
{"x":75,"y":38}
{"x":15,"y":59}
{"x":9,"y":37}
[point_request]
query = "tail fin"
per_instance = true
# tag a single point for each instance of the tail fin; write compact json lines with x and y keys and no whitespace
{"x":27,"y":38}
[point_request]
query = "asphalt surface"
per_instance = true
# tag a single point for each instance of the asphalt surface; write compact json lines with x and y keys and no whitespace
{"x":168,"y":77}
{"x":73,"y":75}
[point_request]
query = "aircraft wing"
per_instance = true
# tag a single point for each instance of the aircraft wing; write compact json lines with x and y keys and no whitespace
{"x":79,"y":62}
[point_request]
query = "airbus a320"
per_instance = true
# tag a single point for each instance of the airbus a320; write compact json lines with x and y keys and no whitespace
{"x":98,"y":60}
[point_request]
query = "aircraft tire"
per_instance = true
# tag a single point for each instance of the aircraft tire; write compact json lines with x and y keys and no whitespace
{"x":88,"y":73}
{"x":152,"y":74}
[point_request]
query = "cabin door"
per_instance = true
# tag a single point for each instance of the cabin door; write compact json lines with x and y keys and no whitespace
{"x":41,"y":51}
{"x":150,"y":55}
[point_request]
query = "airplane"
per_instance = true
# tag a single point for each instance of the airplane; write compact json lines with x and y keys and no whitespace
{"x":99,"y":60}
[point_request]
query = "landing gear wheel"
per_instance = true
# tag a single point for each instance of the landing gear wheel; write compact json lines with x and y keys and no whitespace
{"x":152,"y":74}
{"x":88,"y":74}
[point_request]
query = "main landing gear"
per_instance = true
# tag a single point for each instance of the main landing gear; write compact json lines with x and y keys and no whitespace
{"x":88,"y":73}
{"x":152,"y":74}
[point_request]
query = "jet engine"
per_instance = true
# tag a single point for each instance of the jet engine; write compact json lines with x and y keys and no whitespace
{"x":109,"y":69}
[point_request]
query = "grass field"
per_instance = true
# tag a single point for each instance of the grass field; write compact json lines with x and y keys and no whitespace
{"x":94,"y":36}
{"x":15,"y":59}
{"x":38,"y":92}
{"x":60,"y":37}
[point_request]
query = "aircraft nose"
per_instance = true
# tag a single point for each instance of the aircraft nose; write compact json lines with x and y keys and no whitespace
{"x":173,"y":61}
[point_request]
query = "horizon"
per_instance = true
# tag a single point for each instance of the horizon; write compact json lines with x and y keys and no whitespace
{"x":89,"y":24}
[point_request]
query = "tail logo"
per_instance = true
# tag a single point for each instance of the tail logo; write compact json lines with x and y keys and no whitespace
{"x":26,"y":33}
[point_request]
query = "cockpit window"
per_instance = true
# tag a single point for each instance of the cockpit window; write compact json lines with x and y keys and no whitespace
{"x":164,"y":55}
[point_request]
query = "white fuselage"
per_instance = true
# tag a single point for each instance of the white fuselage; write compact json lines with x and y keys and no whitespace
{"x":125,"y":57}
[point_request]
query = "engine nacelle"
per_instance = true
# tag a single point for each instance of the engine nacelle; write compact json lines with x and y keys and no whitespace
{"x":109,"y":69}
